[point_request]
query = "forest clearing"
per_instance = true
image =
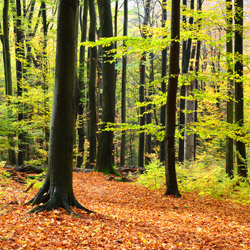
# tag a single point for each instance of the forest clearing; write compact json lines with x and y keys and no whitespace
{"x":128,"y":216}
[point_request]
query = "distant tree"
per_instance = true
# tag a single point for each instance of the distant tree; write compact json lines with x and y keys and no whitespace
{"x":163,"y":82}
{"x":80,"y":128}
{"x":142,"y":84}
{"x":171,"y":180}
{"x":20,"y":55}
{"x":239,"y":90}
{"x":124,"y":80}
{"x":57,"y":189}
{"x":92,"y":86}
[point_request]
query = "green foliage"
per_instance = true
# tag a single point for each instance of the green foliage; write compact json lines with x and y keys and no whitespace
{"x":205,"y":176}
{"x":154,"y":176}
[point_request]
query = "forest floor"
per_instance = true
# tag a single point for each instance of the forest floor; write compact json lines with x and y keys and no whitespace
{"x":128,"y":216}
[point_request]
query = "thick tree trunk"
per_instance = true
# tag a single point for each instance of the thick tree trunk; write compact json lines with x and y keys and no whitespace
{"x":124,"y":80}
{"x":105,"y":141}
{"x":57,"y":190}
{"x":92,"y":87}
{"x":230,"y":104}
{"x":171,"y":180}
{"x":239,"y":90}
{"x":80,"y":127}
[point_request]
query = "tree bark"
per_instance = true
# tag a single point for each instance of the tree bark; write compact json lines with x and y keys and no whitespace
{"x":57,"y":190}
{"x":142,"y":86}
{"x":239,"y":90}
{"x":163,"y":81}
{"x":80,"y":128}
{"x":19,"y":75}
{"x":230,"y":104}
{"x":92,"y":86}
{"x":186,"y":52}
{"x":171,"y":180}
{"x":8,"y":75}
{"x":124,"y":80}
{"x":105,"y":141}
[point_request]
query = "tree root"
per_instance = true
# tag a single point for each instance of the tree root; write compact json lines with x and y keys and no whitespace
{"x":51,"y":198}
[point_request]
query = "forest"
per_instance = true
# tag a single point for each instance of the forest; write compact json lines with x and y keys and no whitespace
{"x":112,"y":109}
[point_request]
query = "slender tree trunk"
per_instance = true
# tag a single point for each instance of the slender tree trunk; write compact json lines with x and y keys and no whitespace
{"x":149,"y":110}
{"x":124,"y":80}
{"x":189,"y":116}
{"x":239,"y":90}
{"x":80,"y":127}
{"x":19,"y":74}
{"x":171,"y":180}
{"x":163,"y":82}
{"x":197,"y":66}
{"x":230,"y":104}
{"x":92,"y":87}
{"x":142,"y":86}
{"x":105,"y":141}
{"x":8,"y":75}
{"x":57,"y":190}
{"x":45,"y":73}
{"x":186,"y":52}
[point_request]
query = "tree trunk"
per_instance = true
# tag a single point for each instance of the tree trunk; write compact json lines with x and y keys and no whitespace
{"x":8,"y":75}
{"x":171,"y":180}
{"x":57,"y":190}
{"x":19,"y":75}
{"x":124,"y":80}
{"x":142,"y":86}
{"x":92,"y":87}
{"x":105,"y":141}
{"x":230,"y":104}
{"x":239,"y":91}
{"x":80,"y":127}
{"x":149,"y":109}
{"x":163,"y":81}
{"x":186,"y":52}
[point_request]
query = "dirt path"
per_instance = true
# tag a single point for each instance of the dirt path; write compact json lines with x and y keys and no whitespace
{"x":128,"y":216}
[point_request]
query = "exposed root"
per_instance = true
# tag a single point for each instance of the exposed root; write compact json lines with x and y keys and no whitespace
{"x":53,"y":200}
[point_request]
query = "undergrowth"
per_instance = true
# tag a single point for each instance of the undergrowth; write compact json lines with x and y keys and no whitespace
{"x":207,"y":177}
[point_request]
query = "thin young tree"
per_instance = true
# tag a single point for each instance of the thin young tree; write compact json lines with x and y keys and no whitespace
{"x":57,"y":189}
{"x":171,"y":180}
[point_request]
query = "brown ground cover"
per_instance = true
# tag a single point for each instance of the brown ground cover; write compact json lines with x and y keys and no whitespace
{"x":128,"y":216}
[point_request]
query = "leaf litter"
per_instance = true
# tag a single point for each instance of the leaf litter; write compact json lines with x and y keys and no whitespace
{"x":128,"y":216}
